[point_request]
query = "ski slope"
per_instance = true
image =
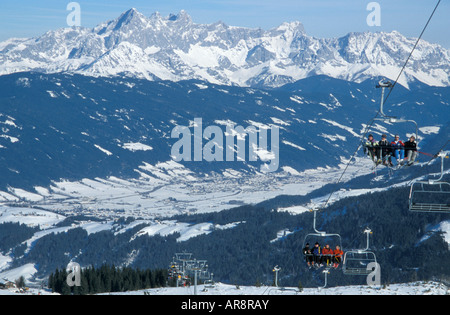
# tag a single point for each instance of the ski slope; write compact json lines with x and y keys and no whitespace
{"x":220,"y":289}
{"x":415,"y":288}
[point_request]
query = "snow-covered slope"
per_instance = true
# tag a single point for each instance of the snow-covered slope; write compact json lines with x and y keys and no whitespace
{"x":73,"y":143}
{"x":175,"y":48}
{"x":220,"y":289}
{"x":414,"y":288}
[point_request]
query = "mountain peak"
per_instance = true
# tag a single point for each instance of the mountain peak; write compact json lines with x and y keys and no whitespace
{"x":296,"y":27}
{"x":129,"y":16}
{"x":182,"y":16}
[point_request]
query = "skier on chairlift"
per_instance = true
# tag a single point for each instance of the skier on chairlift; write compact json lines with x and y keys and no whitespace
{"x":370,"y":148}
{"x":385,"y":151}
{"x":327,"y":255}
{"x":307,"y":251}
{"x":317,"y":252}
{"x":398,"y":150}
{"x":338,"y":253}
{"x":411,"y":150}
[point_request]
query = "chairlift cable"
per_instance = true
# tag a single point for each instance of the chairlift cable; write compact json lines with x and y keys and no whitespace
{"x":412,"y":51}
{"x":379,"y":111}
{"x":435,"y":156}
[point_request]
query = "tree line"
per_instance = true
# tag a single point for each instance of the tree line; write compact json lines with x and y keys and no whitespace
{"x":108,"y":278}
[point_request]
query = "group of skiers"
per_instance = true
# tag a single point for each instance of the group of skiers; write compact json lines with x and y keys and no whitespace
{"x":382,"y":151}
{"x":326,"y":256}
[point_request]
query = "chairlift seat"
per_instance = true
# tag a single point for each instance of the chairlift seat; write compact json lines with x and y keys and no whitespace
{"x":356,"y":262}
{"x":323,"y":239}
{"x":429,"y":197}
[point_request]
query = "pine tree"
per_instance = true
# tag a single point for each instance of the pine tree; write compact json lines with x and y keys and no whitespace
{"x":20,"y":283}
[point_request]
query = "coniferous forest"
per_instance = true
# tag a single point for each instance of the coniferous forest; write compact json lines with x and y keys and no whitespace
{"x":108,"y":279}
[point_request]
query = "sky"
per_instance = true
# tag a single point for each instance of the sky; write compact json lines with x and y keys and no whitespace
{"x":321,"y":18}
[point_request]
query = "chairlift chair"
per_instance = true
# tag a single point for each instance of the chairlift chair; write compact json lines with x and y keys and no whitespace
{"x":432,"y":196}
{"x":391,"y":119}
{"x":356,"y":262}
{"x":322,"y":238}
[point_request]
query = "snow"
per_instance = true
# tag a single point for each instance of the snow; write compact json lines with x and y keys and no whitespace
{"x":10,"y":123}
{"x":52,"y":94}
{"x":443,"y":227}
{"x":136,"y":146}
{"x":221,"y":289}
{"x":333,"y":138}
{"x":291,"y":170}
{"x":186,"y":230}
{"x":225,"y":55}
{"x":12,"y":139}
{"x":103,"y":150}
{"x":169,"y":188}
{"x":30,"y":242}
{"x":279,"y":121}
{"x":4,"y":262}
{"x":152,"y":50}
{"x":96,"y":227}
{"x":294,"y":210}
{"x":430,"y":130}
{"x":28,"y":196}
{"x":225,"y":123}
{"x":281,"y":235}
{"x":350,"y":130}
{"x":297,"y":99}
{"x":263,"y":292}
{"x":201,"y":86}
{"x":30,"y":217}
{"x":294,"y":145}
{"x":27,"y":271}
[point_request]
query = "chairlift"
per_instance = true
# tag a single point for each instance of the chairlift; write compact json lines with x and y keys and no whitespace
{"x":323,"y":238}
{"x":357,"y":262}
{"x":391,"y":119}
{"x":432,"y":196}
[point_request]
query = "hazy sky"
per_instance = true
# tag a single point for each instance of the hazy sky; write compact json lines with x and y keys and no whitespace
{"x":321,"y":18}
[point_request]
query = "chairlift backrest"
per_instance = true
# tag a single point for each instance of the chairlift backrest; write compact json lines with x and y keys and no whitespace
{"x":321,"y":237}
{"x":357,"y":262}
{"x":432,"y":196}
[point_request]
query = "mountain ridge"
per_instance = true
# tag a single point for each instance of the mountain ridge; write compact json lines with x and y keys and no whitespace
{"x":175,"y":48}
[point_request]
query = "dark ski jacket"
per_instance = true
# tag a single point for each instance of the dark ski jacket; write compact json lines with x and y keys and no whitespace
{"x":316,"y":250}
{"x":411,"y":145}
{"x":385,"y":146}
{"x":307,"y":250}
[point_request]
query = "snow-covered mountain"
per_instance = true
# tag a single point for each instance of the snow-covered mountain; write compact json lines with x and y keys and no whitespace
{"x":72,"y":127}
{"x":175,"y":48}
